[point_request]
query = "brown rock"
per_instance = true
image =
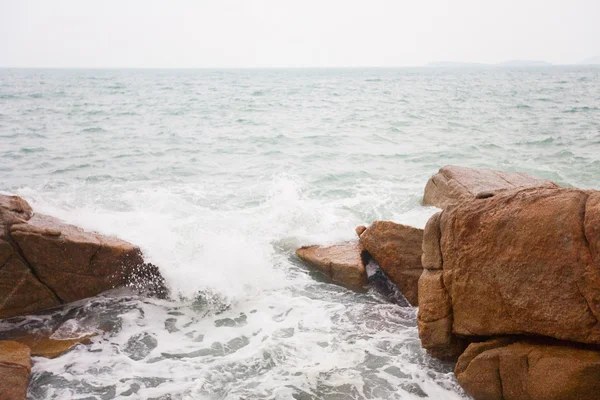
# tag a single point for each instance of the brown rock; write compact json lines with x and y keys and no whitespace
{"x":97,"y":263}
{"x":592,"y":225}
{"x":518,"y":262}
{"x":453,"y":184}
{"x":529,"y":369}
{"x":397,"y":249}
{"x":434,"y":301}
{"x":15,"y":367}
{"x":360,"y":229}
{"x":435,"y":318}
{"x":432,"y":254}
{"x":43,"y":346}
{"x":45,"y":262}
{"x":20,"y":291}
{"x":342,"y":262}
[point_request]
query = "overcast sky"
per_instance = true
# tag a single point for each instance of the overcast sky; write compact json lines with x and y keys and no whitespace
{"x":280,"y":33}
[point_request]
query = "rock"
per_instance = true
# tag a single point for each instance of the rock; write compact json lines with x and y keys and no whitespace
{"x":360,"y":229}
{"x":44,"y":346}
{"x":520,"y":262}
{"x":342,"y":263}
{"x":20,"y":290}
{"x":435,"y":316}
{"x":45,"y":262}
{"x":531,"y":369}
{"x":397,"y":249}
{"x":15,"y":367}
{"x":453,"y":184}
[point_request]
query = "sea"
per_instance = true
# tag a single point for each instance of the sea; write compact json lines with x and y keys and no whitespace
{"x":219,"y":175}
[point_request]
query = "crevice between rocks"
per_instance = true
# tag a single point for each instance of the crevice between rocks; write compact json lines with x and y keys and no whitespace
{"x":585,"y":238}
{"x":500,"y":379}
{"x":589,"y":248}
{"x":19,"y":251}
{"x":439,"y":235}
{"x":587,"y":304}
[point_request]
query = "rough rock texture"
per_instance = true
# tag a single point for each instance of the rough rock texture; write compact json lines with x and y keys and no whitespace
{"x":342,"y":263}
{"x":529,"y":369}
{"x":520,"y":262}
{"x":360,"y":229}
{"x":15,"y":367}
{"x":397,"y":250}
{"x":453,"y":184}
{"x":45,"y":262}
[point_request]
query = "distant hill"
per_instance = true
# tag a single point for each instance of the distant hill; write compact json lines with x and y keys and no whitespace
{"x":453,"y":64}
{"x":511,"y":63}
{"x":591,"y":61}
{"x":524,"y":63}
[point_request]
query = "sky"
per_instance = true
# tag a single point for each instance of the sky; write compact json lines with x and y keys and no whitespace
{"x":302,"y":33}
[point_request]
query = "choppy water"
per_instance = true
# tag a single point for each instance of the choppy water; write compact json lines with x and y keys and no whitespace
{"x":219,"y":175}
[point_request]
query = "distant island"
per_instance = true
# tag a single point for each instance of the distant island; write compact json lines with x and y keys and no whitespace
{"x":511,"y":63}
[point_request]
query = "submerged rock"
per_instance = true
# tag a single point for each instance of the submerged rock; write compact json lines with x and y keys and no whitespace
{"x":44,"y":346}
{"x":15,"y":368}
{"x":342,"y":263}
{"x":453,"y":184}
{"x":45,"y":262}
{"x":139,"y":346}
{"x":397,"y":249}
{"x":532,"y":369}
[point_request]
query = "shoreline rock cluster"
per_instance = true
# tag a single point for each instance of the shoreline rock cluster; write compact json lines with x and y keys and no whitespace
{"x":506,"y":278}
{"x":395,"y":247}
{"x":508,"y":282}
{"x":46,"y":263}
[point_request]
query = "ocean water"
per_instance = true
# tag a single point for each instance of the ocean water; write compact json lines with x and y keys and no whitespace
{"x":219,"y":175}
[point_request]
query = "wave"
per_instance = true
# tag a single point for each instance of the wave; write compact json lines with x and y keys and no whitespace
{"x":582,"y":109}
{"x":94,"y":129}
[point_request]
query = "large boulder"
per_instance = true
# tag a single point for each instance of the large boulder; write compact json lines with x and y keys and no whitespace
{"x":454,"y":184}
{"x":45,"y":262}
{"x":15,"y":368}
{"x":343,"y":263}
{"x":397,"y":250}
{"x":529,"y":369}
{"x":519,"y":262}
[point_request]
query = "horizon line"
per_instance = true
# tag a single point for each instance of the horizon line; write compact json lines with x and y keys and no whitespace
{"x":436,"y":64}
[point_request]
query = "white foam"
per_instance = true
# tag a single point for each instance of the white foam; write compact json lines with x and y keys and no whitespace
{"x":230,"y":265}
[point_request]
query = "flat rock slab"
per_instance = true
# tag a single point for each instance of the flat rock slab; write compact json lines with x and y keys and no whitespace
{"x":44,"y":346}
{"x":342,"y":262}
{"x":15,"y":368}
{"x":529,"y":369}
{"x":397,"y":249}
{"x":453,"y":184}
